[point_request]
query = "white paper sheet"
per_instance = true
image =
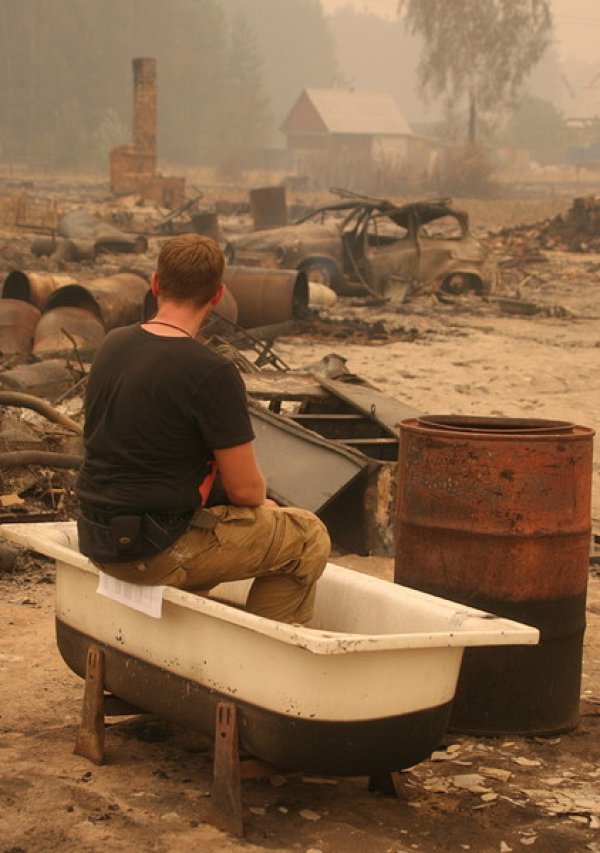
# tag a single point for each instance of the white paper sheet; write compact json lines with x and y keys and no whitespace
{"x":147,"y":599}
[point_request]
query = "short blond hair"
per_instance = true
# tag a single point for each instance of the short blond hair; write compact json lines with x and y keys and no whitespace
{"x":190,"y":269}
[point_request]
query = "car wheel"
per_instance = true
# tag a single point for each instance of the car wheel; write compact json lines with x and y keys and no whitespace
{"x":460,"y":283}
{"x":322,"y":272}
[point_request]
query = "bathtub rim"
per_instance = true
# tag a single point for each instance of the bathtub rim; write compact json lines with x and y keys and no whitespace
{"x":486,"y":629}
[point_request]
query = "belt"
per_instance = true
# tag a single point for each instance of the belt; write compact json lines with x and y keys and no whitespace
{"x":159,"y":517}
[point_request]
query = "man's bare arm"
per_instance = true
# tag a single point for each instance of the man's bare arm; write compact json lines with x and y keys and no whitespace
{"x":240,"y":475}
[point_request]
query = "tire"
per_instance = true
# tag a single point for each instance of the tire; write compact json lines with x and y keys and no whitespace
{"x":460,"y":283}
{"x":322,"y":271}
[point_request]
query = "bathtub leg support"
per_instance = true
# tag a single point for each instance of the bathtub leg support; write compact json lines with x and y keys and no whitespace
{"x":388,"y":784}
{"x":96,"y":707}
{"x":90,"y":738}
{"x":226,"y":797}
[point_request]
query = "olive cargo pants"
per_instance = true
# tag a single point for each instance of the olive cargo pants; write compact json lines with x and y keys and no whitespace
{"x":285,"y":549}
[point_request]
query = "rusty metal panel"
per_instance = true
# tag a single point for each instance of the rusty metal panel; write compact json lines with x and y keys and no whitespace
{"x":386,"y":411}
{"x":280,"y":386}
{"x":47,"y":379}
{"x":301,"y":468}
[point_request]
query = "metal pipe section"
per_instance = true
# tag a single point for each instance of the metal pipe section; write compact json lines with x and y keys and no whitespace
{"x":34,"y":287}
{"x":226,"y":310}
{"x":18,"y":320}
{"x":267,"y":296}
{"x":63,"y":248}
{"x":64,"y":329}
{"x":495,"y":513}
{"x":74,"y":296}
{"x":117,"y":299}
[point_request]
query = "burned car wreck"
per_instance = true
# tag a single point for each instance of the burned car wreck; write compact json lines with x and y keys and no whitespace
{"x":367,"y":245}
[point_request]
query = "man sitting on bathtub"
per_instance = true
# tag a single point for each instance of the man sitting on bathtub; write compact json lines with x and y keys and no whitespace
{"x":163,"y":415}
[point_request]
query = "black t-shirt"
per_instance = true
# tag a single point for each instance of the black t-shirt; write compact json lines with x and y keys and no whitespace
{"x":155,"y":409}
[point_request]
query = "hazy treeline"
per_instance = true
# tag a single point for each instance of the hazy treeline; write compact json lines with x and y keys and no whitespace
{"x":228,"y":73}
{"x":227,"y":70}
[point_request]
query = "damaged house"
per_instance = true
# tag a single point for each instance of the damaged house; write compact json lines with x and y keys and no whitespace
{"x":337,"y":134}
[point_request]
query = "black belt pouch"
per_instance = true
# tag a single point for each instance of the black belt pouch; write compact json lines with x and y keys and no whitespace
{"x":126,"y":537}
{"x":119,"y":541}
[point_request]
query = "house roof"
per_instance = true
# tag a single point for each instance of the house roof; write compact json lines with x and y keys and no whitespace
{"x":586,"y":106}
{"x":349,"y":112}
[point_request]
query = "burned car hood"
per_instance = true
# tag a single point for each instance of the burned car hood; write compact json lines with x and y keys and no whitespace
{"x":271,"y":238}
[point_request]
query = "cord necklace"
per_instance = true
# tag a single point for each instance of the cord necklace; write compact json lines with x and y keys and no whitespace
{"x":170,"y":325}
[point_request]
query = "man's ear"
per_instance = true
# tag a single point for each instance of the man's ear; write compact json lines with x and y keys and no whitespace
{"x":218,"y":295}
{"x":154,"y":285}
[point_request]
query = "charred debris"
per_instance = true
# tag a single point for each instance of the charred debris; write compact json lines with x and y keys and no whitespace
{"x":71,"y":272}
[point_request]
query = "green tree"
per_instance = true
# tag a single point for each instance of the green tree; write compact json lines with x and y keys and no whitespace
{"x":66,"y":66}
{"x":481,"y":49}
{"x":243,"y":122}
{"x":296,"y":46}
{"x":538,"y":125}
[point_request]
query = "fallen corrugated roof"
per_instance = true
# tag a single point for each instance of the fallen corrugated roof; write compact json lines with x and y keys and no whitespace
{"x":348,"y":111}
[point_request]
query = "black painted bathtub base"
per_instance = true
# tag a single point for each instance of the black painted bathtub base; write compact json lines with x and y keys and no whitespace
{"x":322,"y":747}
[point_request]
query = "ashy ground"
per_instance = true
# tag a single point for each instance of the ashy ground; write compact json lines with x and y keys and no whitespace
{"x":484,"y":795}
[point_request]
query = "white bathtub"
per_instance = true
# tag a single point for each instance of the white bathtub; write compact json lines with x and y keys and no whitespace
{"x":367,"y":688}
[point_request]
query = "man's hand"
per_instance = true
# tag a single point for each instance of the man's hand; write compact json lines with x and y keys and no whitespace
{"x":270,"y":502}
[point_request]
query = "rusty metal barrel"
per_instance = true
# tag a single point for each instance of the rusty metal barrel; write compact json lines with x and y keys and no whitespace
{"x":62,"y":331}
{"x":267,"y":296}
{"x":207,"y":222}
{"x":219,"y":320}
{"x":117,"y":299}
{"x":34,"y":287}
{"x":495,"y":513}
{"x":18,"y":320}
{"x":268,"y":207}
{"x":226,"y":311}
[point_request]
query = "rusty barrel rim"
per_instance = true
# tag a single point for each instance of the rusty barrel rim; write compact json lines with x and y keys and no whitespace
{"x":486,"y":425}
{"x":34,"y":287}
{"x":488,"y":429}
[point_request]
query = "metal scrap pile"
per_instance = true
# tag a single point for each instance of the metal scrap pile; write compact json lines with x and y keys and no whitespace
{"x":50,"y":326}
{"x":576,"y":231}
